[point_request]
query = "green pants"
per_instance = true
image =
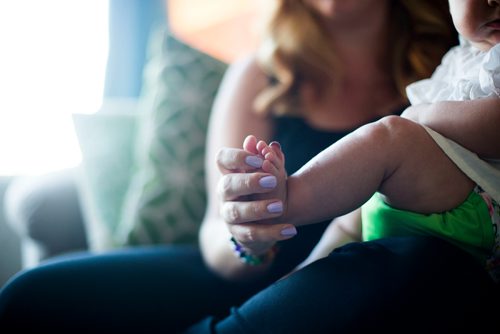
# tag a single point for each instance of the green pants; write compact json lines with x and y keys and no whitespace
{"x":467,"y":226}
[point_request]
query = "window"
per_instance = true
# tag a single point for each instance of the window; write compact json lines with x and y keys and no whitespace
{"x":52,"y":64}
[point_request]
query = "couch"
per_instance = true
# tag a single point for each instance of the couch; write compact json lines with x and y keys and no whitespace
{"x":141,"y":178}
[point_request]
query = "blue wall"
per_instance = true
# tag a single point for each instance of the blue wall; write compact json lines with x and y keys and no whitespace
{"x":130,"y":22}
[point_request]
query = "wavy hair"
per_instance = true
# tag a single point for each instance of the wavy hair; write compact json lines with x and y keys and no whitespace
{"x":296,"y":48}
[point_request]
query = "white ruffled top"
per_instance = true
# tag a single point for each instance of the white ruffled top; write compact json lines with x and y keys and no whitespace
{"x":466,"y":73}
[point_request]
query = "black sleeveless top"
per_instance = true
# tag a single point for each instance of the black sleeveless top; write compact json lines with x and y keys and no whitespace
{"x":300,"y":142}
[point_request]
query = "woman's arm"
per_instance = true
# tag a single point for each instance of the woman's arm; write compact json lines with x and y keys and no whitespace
{"x":473,"y":124}
{"x":233,"y":118}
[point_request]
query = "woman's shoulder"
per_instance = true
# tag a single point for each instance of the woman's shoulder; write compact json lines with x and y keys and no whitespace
{"x":248,"y":69}
{"x":243,"y":79}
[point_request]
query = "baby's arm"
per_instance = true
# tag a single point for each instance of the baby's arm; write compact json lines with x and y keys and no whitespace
{"x":473,"y":124}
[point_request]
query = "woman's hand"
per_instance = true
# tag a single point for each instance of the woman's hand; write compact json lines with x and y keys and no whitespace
{"x":246,"y":202}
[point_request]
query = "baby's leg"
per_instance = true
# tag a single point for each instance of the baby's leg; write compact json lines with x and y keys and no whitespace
{"x":394,"y":156}
{"x":423,"y":179}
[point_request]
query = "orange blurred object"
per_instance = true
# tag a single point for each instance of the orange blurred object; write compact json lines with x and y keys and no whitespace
{"x":225,"y":29}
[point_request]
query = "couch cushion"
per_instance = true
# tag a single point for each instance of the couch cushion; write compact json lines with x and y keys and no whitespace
{"x":106,"y":139}
{"x":166,"y":200}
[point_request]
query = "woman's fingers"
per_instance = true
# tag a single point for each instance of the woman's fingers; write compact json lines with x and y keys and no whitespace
{"x":264,"y":234}
{"x":243,"y":212}
{"x":234,"y":159}
{"x":232,"y":186}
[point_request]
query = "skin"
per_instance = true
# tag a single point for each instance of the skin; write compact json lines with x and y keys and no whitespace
{"x":462,"y":121}
{"x":229,"y":211}
{"x":360,"y":50}
{"x":398,"y":157}
{"x":436,"y":184}
{"x":349,"y":13}
{"x":394,"y":156}
{"x":477,"y":21}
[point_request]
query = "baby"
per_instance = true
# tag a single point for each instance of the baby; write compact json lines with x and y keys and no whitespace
{"x":375,"y":167}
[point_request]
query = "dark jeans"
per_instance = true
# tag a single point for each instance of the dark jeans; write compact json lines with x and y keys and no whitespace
{"x":397,"y":285}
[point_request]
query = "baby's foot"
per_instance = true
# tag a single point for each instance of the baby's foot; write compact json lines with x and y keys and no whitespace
{"x":274,"y":164}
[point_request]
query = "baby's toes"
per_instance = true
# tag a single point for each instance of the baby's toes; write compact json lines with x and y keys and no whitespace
{"x":261,"y":145}
{"x":269,"y":167}
{"x":273,"y":159}
{"x":265,"y":151}
{"x":250,"y":144}
{"x":276,"y":148}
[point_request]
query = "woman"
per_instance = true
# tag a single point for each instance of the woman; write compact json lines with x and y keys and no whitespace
{"x":348,"y":64}
{"x":327,"y":68}
{"x":365,"y":73}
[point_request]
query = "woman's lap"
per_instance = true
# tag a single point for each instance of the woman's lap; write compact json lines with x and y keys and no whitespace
{"x":394,"y":285}
{"x":139,"y":290}
{"x":381,"y":284}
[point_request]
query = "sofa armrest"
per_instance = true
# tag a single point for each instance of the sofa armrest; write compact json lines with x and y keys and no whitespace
{"x":45,"y":212}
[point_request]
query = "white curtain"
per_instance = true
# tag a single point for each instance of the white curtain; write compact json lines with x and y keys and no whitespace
{"x":52,"y":64}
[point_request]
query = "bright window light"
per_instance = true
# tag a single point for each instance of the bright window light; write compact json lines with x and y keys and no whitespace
{"x":52,"y":64}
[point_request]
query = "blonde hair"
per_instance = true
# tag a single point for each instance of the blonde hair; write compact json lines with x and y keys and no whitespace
{"x":296,"y":48}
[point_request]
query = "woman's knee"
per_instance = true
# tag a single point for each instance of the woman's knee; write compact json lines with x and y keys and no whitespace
{"x":19,"y":299}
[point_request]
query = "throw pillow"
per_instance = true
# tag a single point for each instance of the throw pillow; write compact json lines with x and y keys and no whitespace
{"x":106,"y":139}
{"x":166,"y":199}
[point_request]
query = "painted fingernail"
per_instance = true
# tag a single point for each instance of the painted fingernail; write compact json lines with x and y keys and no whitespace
{"x":276,"y":207}
{"x":289,"y":231}
{"x":275,"y":143}
{"x":254,"y":161}
{"x":268,"y":182}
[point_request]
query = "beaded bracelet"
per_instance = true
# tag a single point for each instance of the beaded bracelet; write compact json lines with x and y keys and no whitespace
{"x":253,"y":260}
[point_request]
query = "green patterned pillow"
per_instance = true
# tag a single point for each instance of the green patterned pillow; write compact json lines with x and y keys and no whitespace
{"x":106,"y":139}
{"x":166,"y":199}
